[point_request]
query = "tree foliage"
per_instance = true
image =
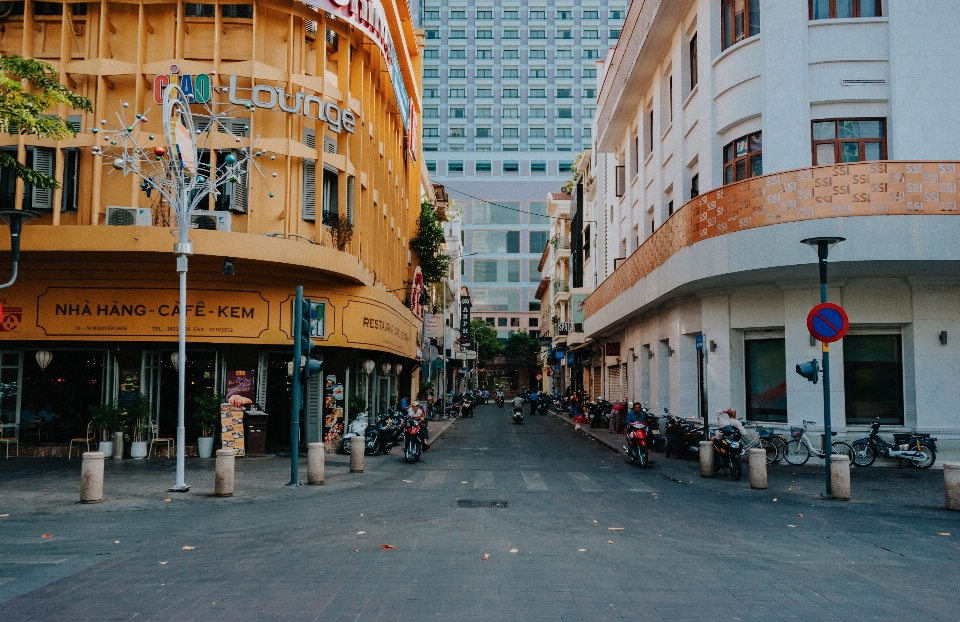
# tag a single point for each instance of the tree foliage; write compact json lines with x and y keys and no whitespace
{"x":28,"y":89}
{"x":568,"y":187}
{"x":522,"y":349}
{"x":428,"y":245}
{"x":485,"y":342}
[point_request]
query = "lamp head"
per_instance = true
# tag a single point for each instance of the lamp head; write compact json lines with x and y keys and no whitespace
{"x":822,"y":245}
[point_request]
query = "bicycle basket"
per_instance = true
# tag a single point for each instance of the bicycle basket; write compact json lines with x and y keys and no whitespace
{"x":765,"y":432}
{"x":796,"y":432}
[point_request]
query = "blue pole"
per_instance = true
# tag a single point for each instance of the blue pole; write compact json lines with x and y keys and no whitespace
{"x":297,"y":391}
{"x":823,"y":249}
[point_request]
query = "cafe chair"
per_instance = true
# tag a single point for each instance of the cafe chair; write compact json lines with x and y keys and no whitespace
{"x":155,"y":438}
{"x":9,"y":440}
{"x":81,"y":439}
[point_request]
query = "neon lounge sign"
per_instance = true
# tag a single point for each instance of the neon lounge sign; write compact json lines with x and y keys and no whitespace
{"x":197,"y":89}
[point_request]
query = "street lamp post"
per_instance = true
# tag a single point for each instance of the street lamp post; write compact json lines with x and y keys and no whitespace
{"x":15,"y":218}
{"x":823,"y":246}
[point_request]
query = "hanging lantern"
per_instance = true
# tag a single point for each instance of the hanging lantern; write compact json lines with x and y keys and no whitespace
{"x":369,"y":366}
{"x":385,"y":368}
{"x":398,"y":367}
{"x":175,"y":359}
{"x":43,"y":359}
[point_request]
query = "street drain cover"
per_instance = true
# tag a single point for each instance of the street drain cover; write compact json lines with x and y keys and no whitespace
{"x":472,"y":503}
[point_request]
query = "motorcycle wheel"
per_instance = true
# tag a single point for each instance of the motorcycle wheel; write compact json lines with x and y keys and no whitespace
{"x":863,"y":454}
{"x":796,"y":453}
{"x":927,"y":462}
{"x":643,"y":457}
{"x":375,"y":448}
{"x":410,"y":453}
{"x":736,"y":468}
{"x":345,"y":446}
{"x":386,"y":448}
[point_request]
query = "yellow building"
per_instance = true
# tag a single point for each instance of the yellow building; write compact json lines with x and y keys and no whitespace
{"x":98,"y":282}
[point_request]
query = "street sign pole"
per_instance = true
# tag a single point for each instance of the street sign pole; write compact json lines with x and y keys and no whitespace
{"x":297,"y":391}
{"x":823,"y":249}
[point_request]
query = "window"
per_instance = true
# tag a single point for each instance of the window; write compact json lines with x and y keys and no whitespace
{"x":586,"y":242}
{"x":830,"y":9}
{"x":431,"y":15}
{"x":693,"y":62}
{"x":484,"y":14}
{"x":431,"y":73}
{"x":484,"y":34}
{"x":484,"y":93}
{"x":617,"y":14}
{"x":589,"y":73}
{"x":510,"y":113}
{"x":533,"y":322}
{"x":510,"y":73}
{"x":458,"y":15}
{"x":431,"y":166}
{"x":515,"y":321}
{"x":538,"y":34}
{"x":588,"y":113}
{"x":511,"y":93}
{"x":538,"y":166}
{"x":564,"y":34}
{"x":564,"y":132}
{"x":493,"y":271}
{"x":483,"y":132}
{"x":564,"y":93}
{"x":586,"y":132}
{"x":458,"y":34}
{"x":741,"y":20}
{"x":511,"y":54}
{"x":538,"y":213}
{"x":538,"y":54}
{"x":431,"y":132}
{"x":615,"y":34}
{"x":537,"y":132}
{"x":457,"y":132}
{"x":331,"y":202}
{"x":849,"y":140}
{"x":591,"y":54}
{"x":431,"y":53}
{"x":484,"y":54}
{"x":501,"y":321}
{"x":496,"y":242}
{"x":766,"y":379}
{"x":510,"y":15}
{"x":591,"y":34}
{"x":538,"y":93}
{"x":590,"y":93}
{"x":566,"y":166}
{"x":483,"y":113}
{"x":538,"y":15}
{"x":670,"y":97}
{"x":537,"y":113}
{"x":511,"y":132}
{"x":564,"y":15}
{"x":510,"y":34}
{"x":743,"y":158}
{"x":491,"y":321}
{"x":873,"y":379}
{"x":538,"y":241}
{"x":564,"y":73}
{"x":458,"y":93}
{"x":634,"y":155}
{"x":42,"y":159}
{"x":455,"y":166}
{"x":621,"y":183}
{"x":458,"y":53}
{"x":433,"y":34}
{"x":458,"y":113}
{"x":591,"y":15}
{"x":695,"y":185}
{"x":431,"y":93}
{"x":484,"y":73}
{"x":511,"y":167}
{"x":533,"y":305}
{"x":458,"y":73}
{"x":483,"y":166}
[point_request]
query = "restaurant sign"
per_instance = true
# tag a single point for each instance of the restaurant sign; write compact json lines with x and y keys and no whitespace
{"x":76,"y":311}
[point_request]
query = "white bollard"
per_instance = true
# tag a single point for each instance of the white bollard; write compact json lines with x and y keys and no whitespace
{"x":708,"y":462}
{"x":226,"y":459}
{"x":91,"y":477}
{"x":758,"y":469}
{"x":951,"y":485}
{"x":357,"y":446}
{"x":118,"y":445}
{"x":840,"y":477}
{"x":315,"y":462}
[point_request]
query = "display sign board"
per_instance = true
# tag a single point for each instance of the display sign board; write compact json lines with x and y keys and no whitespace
{"x":241,"y":386}
{"x":578,"y":305}
{"x":699,"y":342}
{"x":828,"y":322}
{"x":464,"y":319}
{"x":434,"y":323}
{"x":231,"y":428}
{"x":612,"y":349}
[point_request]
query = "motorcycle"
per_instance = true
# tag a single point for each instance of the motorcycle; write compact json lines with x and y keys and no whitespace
{"x":373,"y":442}
{"x":599,"y":413}
{"x":727,"y":445}
{"x":641,"y":439}
{"x":499,"y":400}
{"x":542,"y":406}
{"x":918,"y":449}
{"x":517,"y":414}
{"x":466,"y":407}
{"x":412,"y":443}
{"x":682,"y":437}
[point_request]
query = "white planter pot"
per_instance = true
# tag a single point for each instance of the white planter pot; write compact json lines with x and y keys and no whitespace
{"x":107,"y":448}
{"x":205,"y":446}
{"x":138,"y":449}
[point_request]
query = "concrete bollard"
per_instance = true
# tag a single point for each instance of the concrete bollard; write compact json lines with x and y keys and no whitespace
{"x":226,"y":459}
{"x":758,"y":469}
{"x":840,"y":477}
{"x":951,"y":485}
{"x":315,"y":462}
{"x":118,"y":445}
{"x":357,"y":446}
{"x":91,"y":477}
{"x":708,"y":462}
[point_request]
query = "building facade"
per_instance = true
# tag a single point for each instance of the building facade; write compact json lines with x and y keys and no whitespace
{"x":98,"y":285}
{"x":738,"y":129}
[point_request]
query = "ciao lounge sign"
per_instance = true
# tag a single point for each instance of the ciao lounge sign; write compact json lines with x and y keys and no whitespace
{"x":197,"y":89}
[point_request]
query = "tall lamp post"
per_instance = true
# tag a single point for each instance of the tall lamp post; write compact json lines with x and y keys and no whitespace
{"x":15,"y":218}
{"x":823,"y":246}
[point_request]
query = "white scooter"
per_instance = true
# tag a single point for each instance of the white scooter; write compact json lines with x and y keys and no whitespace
{"x":357,"y":428}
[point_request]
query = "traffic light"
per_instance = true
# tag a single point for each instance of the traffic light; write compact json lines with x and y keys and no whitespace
{"x":810,"y":370}
{"x":305,"y":317}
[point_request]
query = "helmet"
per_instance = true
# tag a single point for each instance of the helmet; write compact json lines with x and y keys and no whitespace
{"x":629,"y":404}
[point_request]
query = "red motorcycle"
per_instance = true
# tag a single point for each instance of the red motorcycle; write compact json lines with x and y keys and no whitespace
{"x":641,"y":439}
{"x":412,"y":443}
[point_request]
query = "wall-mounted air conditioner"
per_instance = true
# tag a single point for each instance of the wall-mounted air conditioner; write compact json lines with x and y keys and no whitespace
{"x":214,"y":221}
{"x":125,"y":216}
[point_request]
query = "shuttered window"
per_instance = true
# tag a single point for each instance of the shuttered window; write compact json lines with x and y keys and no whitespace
{"x":351,"y":181}
{"x":43,"y":161}
{"x":614,"y":390}
{"x":308,"y":210}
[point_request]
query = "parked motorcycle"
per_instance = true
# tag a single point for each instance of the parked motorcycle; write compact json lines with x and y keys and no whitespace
{"x":517,"y":415}
{"x":727,"y":445}
{"x":599,"y":413}
{"x":373,"y":441}
{"x":412,"y":443}
{"x":682,"y":436}
{"x":918,"y":449}
{"x":641,"y":439}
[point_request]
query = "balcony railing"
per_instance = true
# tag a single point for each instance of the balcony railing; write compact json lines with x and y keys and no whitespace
{"x":836,"y":191}
{"x":562,"y":243}
{"x":561,"y":285}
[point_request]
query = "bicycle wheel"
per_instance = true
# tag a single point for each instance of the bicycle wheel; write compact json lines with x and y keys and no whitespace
{"x":839,"y":447}
{"x":781,"y":445}
{"x":863,"y":454}
{"x":773,"y":452}
{"x":796,"y":453}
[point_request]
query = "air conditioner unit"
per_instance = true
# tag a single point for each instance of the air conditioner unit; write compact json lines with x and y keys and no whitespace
{"x":124,"y":216}
{"x":214,"y":221}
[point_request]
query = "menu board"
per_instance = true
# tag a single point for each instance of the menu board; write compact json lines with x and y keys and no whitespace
{"x":231,"y":428}
{"x":241,"y":386}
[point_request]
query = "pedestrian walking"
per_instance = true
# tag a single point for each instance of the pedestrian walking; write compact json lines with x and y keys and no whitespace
{"x":533,"y":402}
{"x":616,"y":417}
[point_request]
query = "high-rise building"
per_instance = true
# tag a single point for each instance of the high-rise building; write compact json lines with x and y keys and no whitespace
{"x":509,"y":97}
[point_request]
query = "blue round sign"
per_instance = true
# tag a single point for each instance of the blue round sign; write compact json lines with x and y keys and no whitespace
{"x":828,"y":322}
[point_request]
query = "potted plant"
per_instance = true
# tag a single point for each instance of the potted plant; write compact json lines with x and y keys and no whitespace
{"x":138,"y":416}
{"x":207,"y":418}
{"x":106,"y":419}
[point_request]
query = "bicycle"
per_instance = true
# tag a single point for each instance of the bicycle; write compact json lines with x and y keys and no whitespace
{"x":766,"y":441}
{"x":799,"y":450}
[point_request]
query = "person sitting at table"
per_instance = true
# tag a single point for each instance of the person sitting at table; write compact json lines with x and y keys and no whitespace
{"x":28,"y":415}
{"x":46,"y":413}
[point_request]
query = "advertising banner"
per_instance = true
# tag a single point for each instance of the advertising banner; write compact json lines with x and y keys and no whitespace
{"x":241,"y":386}
{"x":434,"y":326}
{"x":578,"y":304}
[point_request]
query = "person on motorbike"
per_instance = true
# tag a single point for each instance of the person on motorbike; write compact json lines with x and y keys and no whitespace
{"x":533,"y":402}
{"x":634,"y":412}
{"x":518,"y":403}
{"x":416,"y":412}
{"x":499,"y":392}
{"x":729,"y":417}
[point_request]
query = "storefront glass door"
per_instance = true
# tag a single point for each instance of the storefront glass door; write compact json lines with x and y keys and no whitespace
{"x":873,"y":379}
{"x":766,"y":379}
{"x":10,"y":382}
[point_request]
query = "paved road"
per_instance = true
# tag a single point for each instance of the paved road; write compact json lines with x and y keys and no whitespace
{"x":583,"y":536}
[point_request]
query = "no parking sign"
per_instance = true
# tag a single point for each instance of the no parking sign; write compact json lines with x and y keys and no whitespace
{"x":828,"y":322}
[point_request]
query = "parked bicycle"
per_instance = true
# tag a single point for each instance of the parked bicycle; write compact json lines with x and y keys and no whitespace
{"x":765,"y":440}
{"x":918,"y":449}
{"x":798,"y":450}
